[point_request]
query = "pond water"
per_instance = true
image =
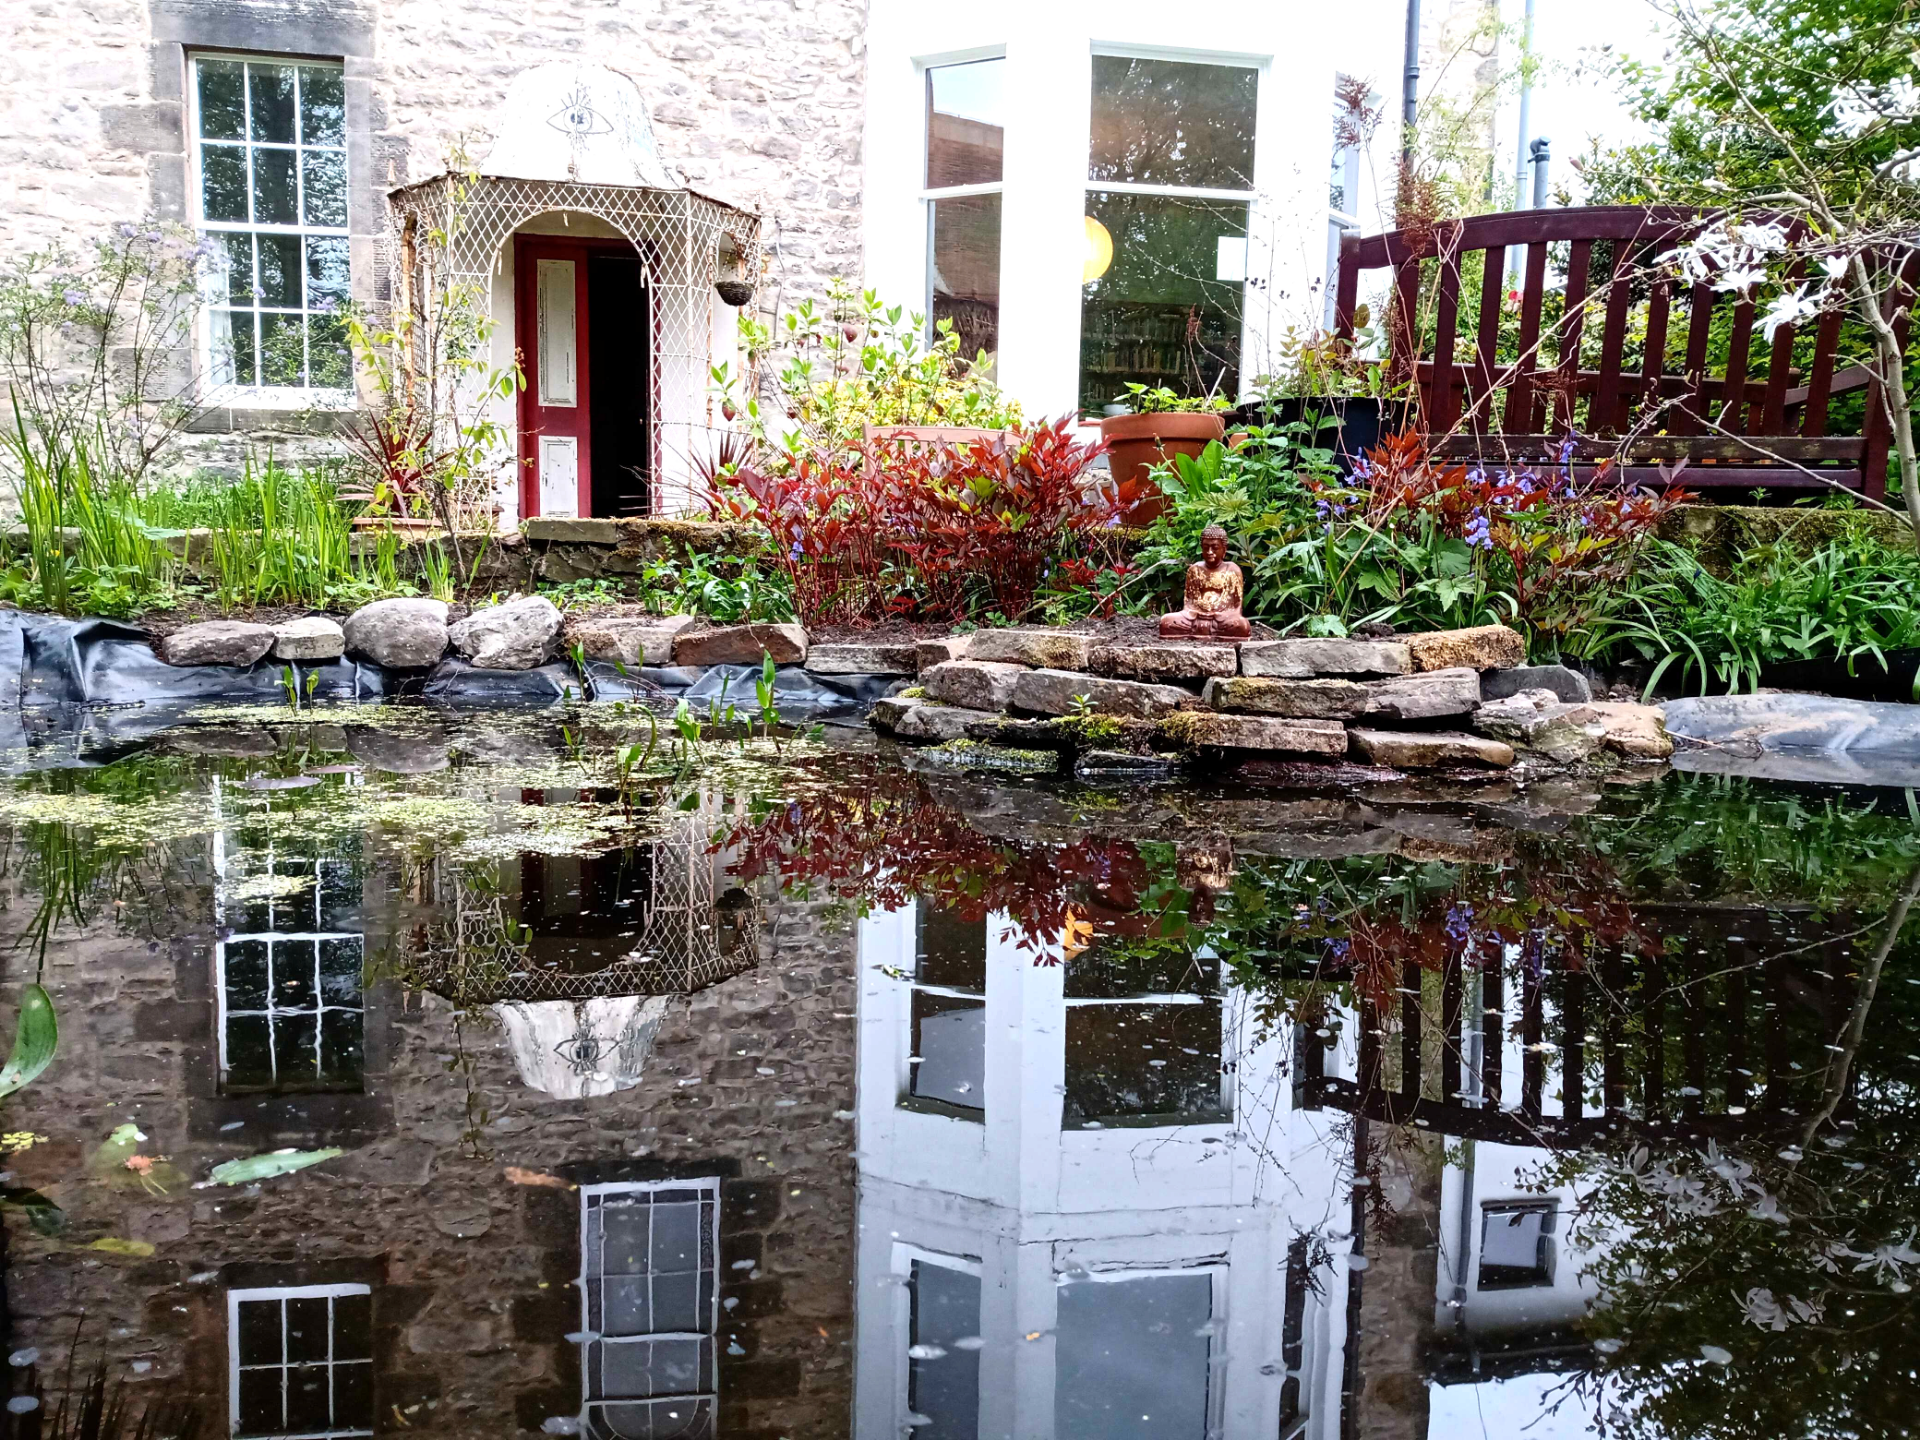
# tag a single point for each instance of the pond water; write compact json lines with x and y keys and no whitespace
{"x":804,"y":1089}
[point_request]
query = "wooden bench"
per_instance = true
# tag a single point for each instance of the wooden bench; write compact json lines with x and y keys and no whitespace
{"x":1754,"y":421}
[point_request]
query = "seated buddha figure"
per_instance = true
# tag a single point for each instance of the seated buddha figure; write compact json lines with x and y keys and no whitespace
{"x":1215,"y":592}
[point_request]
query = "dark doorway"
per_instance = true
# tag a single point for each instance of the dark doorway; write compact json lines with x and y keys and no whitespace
{"x":619,"y":395}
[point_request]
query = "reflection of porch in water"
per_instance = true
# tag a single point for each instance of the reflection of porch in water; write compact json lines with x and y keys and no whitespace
{"x":578,"y":954}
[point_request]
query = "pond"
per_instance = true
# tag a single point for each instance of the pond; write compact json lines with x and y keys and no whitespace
{"x":487,"y":1076}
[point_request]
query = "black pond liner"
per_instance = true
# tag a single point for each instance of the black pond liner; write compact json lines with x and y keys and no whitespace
{"x":1869,"y":680}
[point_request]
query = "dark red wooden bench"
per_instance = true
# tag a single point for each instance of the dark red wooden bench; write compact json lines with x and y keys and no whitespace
{"x":1756,"y":421}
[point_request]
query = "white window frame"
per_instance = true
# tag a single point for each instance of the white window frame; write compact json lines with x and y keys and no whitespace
{"x":905,"y":1255}
{"x":284,"y":1292}
{"x":1262,"y":68}
{"x":270,"y":938}
{"x":907,"y":1099}
{"x":708,"y":1185}
{"x":232,"y":394}
{"x":929,"y":195}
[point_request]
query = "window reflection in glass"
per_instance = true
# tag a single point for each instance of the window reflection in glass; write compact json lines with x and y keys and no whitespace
{"x":966,"y":270}
{"x":1132,"y":1358}
{"x":1167,"y":310}
{"x":301,"y":1360}
{"x":1169,"y":122}
{"x":966,"y":128}
{"x":1143,"y":1035}
{"x":949,"y":1015}
{"x":943,"y":1377}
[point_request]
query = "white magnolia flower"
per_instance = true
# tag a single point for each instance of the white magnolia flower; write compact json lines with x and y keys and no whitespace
{"x":1766,"y":239}
{"x":1788,"y":309}
{"x":1835,"y":266}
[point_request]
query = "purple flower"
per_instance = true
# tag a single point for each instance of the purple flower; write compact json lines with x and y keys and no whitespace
{"x":1459,"y":923}
{"x":74,"y":297}
{"x":1479,"y":532}
{"x":795,"y":553}
{"x":1338,"y":949}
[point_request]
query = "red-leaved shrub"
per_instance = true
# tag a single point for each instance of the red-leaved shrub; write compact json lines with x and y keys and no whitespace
{"x":920,"y":528}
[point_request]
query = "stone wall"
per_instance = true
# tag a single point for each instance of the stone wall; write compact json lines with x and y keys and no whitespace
{"x":758,"y":103}
{"x":472,"y":1268}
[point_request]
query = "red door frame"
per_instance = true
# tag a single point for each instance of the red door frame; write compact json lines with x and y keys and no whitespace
{"x":535,"y":418}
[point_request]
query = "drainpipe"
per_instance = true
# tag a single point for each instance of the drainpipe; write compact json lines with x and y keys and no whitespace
{"x":1410,"y":85}
{"x":1539,"y":158}
{"x":1526,"y":124}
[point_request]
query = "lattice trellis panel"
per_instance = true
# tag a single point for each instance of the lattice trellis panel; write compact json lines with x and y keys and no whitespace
{"x":679,"y":236}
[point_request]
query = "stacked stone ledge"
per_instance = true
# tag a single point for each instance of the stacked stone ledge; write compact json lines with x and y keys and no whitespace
{"x":1412,"y":702}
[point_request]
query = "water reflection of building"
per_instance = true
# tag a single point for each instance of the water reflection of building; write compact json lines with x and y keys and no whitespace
{"x":1073,"y":1219}
{"x":672,"y":1258}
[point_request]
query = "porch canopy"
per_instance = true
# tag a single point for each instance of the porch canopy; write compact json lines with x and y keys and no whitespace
{"x":572,"y":140}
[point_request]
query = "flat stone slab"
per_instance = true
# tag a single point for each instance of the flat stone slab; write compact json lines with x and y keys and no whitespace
{"x":929,"y":653}
{"x":1300,"y":659}
{"x":1429,"y":749}
{"x":858,"y":659}
{"x":217,"y":642}
{"x":917,"y":720}
{"x":517,"y":634}
{"x":1567,"y":684}
{"x":742,"y":645}
{"x":312,"y":637}
{"x":1067,"y":692}
{"x":974,"y":684}
{"x":1166,"y":661}
{"x":399,"y":634}
{"x":1481,"y":647}
{"x":1400,"y":697}
{"x":630,"y":640}
{"x":1276,"y":735}
{"x":1044,"y":649}
{"x":567,"y":529}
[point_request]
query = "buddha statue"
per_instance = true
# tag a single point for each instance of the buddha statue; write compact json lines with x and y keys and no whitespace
{"x":1215,"y":592}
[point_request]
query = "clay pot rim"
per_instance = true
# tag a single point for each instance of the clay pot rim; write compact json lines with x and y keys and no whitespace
{"x":1164,"y":425}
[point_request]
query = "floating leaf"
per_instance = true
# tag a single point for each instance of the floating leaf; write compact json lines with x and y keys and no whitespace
{"x":35,"y":1038}
{"x":264,"y":1167}
{"x":114,"y":1245}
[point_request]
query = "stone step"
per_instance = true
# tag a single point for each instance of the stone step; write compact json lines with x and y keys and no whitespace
{"x":976,"y":684}
{"x":1067,"y":692}
{"x":1429,"y":749}
{"x":1400,"y":697}
{"x":1276,"y":735}
{"x":1298,"y":659}
{"x":864,"y":659}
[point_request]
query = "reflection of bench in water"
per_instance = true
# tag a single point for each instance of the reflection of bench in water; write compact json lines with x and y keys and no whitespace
{"x":1741,"y":1034}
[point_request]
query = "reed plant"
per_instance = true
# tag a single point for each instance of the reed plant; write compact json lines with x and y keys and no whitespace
{"x":275,"y":536}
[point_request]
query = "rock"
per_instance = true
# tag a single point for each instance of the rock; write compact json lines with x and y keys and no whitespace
{"x":1301,"y":659}
{"x":1639,"y":732}
{"x":629,"y":640}
{"x":899,"y":659}
{"x":929,"y":653}
{"x":1058,"y":692}
{"x":217,"y":642}
{"x":942,"y":722}
{"x":1164,"y":661}
{"x":1424,"y":696}
{"x":974,"y":684}
{"x":312,"y":637}
{"x":516,"y":635}
{"x":1256,"y":732}
{"x":973,"y":755}
{"x":1538,"y":720}
{"x":1429,"y":749}
{"x":742,"y":645}
{"x":1307,"y":699}
{"x":1483,"y":647}
{"x":1046,"y":649}
{"x":1567,"y":685}
{"x":400,"y":634}
{"x":1402,"y":697}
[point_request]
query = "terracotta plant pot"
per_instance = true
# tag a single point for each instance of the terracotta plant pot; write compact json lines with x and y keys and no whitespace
{"x":1136,"y":443}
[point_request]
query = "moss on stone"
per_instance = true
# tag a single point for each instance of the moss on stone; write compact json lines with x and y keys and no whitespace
{"x":914,"y":692}
{"x":976,"y":755}
{"x":1177,"y":729}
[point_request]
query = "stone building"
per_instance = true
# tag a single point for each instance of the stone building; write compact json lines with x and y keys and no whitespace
{"x":1096,"y":195}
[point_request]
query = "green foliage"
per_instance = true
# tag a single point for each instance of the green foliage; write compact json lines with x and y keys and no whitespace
{"x":36,"y":1036}
{"x":87,"y":549}
{"x":1159,"y":400}
{"x":730,"y":591}
{"x":851,"y":362}
{"x":275,"y":536}
{"x":1852,"y":599}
